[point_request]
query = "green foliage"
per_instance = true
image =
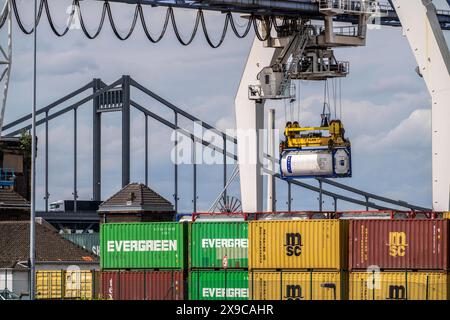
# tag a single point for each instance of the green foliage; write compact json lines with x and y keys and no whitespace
{"x":25,"y":143}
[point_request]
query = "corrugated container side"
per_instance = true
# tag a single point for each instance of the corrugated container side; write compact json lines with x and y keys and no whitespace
{"x":66,"y":284}
{"x":218,"y":285}
{"x":211,"y":242}
{"x":81,"y":284}
{"x":291,"y":285}
{"x":88,"y":241}
{"x":143,"y":285}
{"x":49,"y":284}
{"x":143,"y":245}
{"x":399,"y":244}
{"x":399,"y":286}
{"x":298,"y":244}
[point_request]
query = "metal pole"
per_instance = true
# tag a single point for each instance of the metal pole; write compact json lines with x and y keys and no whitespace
{"x":96,"y":144}
{"x":33,"y":160}
{"x":46,"y":162}
{"x":320,"y":196}
{"x":75,"y":193}
{"x":271,"y":152}
{"x":126,"y":131}
{"x":289,"y":196}
{"x":224,"y":168}
{"x":146,"y":150}
{"x":367,"y":203}
{"x":194,"y":174}
{"x":175,"y":195}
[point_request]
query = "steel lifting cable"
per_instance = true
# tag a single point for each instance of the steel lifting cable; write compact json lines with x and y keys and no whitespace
{"x":299,"y":105}
{"x":139,"y":13}
{"x":333,"y":82}
{"x":340,"y":99}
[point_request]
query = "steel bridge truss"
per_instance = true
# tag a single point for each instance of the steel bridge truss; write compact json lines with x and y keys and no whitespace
{"x":116,"y":97}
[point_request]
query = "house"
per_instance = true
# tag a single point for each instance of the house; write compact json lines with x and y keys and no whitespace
{"x":13,"y":206}
{"x":53,"y":252}
{"x":15,"y":164}
{"x":136,"y":203}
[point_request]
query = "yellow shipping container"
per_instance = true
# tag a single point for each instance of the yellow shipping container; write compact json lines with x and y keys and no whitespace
{"x":62,"y":284}
{"x":446,"y":215}
{"x":297,"y":285}
{"x":399,"y":286}
{"x":298,"y":244}
{"x":49,"y":284}
{"x":80,"y":284}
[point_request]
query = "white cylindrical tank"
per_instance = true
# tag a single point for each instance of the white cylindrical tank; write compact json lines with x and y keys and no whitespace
{"x":341,"y":162}
{"x":312,"y":163}
{"x":307,"y":163}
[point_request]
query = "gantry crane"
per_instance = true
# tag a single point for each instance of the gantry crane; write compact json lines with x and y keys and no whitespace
{"x":302,"y":47}
{"x":423,"y":31}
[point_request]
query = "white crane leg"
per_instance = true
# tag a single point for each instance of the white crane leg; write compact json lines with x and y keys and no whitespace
{"x":249,"y":120}
{"x":420,"y":24}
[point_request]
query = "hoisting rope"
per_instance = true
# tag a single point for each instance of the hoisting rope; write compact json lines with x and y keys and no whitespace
{"x":253,"y":20}
{"x":326,"y":111}
{"x":299,"y":100}
{"x":340,"y":98}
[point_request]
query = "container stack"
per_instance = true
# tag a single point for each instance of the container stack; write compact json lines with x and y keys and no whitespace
{"x":399,"y":259}
{"x":218,"y":261}
{"x":298,"y":260}
{"x":143,"y":261}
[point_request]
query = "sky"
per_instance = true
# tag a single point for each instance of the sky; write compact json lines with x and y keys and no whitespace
{"x":385,"y":106}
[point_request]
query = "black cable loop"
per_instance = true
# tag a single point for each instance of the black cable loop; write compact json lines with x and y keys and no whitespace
{"x":50,"y":20}
{"x":146,"y":30}
{"x":5,"y":16}
{"x":83,"y":25}
{"x":113,"y":26}
{"x":236,"y":32}
{"x":19,"y":21}
{"x":258,"y":35}
{"x":177,"y":33}
{"x":224,"y":31}
{"x":139,"y":13}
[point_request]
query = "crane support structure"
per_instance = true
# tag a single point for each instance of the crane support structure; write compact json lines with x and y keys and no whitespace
{"x":249,"y":123}
{"x":422,"y":29}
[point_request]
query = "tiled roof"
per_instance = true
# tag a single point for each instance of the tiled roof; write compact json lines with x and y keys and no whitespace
{"x":50,"y":246}
{"x":12,"y":200}
{"x":136,"y":197}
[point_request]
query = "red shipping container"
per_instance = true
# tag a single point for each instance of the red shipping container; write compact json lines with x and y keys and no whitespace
{"x":399,"y":244}
{"x":143,"y":285}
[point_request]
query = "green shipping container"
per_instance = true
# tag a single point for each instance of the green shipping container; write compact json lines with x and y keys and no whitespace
{"x":88,"y":241}
{"x":218,"y":285}
{"x":153,"y":245}
{"x":218,"y":244}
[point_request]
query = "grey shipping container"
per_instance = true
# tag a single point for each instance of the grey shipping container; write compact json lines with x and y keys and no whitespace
{"x":88,"y":241}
